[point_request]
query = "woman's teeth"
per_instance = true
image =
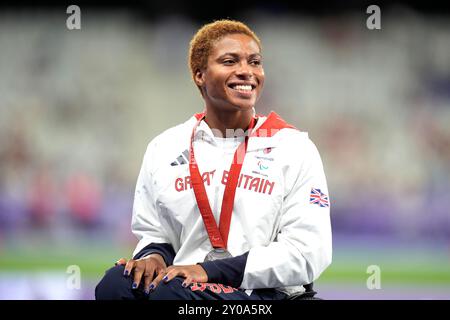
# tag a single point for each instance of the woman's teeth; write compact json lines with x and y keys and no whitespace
{"x":243,"y":87}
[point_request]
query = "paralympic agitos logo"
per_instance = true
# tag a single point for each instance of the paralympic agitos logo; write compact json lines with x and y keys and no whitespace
{"x":262,"y":166}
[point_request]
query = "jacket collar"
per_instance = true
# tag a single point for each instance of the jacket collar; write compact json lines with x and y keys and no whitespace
{"x":264,"y":135}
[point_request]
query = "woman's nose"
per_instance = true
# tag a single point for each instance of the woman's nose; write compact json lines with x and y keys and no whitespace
{"x":244,"y":69}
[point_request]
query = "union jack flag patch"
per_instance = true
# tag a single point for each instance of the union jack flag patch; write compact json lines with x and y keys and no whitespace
{"x":319,"y":198}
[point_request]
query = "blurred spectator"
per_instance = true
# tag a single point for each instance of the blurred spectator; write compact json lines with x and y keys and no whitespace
{"x":15,"y":158}
{"x":83,"y":196}
{"x":43,"y":199}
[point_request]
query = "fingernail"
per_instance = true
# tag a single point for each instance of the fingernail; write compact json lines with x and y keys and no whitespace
{"x":134,"y":286}
{"x":125,"y":273}
{"x":165,"y":278}
{"x":152,"y":286}
{"x":147,"y":292}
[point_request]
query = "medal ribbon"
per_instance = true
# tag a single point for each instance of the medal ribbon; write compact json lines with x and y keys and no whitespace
{"x":217,"y":236}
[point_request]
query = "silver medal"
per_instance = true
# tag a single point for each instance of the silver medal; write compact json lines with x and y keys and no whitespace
{"x":217,"y":254}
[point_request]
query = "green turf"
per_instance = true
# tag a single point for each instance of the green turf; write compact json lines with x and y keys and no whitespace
{"x":389,"y":274}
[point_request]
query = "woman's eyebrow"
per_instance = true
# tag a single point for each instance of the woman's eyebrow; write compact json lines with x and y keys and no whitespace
{"x":256,"y":55}
{"x":235,"y":55}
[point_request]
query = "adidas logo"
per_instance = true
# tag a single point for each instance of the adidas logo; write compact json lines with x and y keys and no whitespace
{"x":183,"y":158}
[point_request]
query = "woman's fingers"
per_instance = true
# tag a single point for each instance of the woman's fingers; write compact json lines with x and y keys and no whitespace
{"x":148,"y":278}
{"x":171,"y":273}
{"x":190,"y":273}
{"x":121,"y":261}
{"x":187,"y":281}
{"x":147,"y":270}
{"x":139,"y":269}
{"x":128,"y":268}
{"x":157,"y":280}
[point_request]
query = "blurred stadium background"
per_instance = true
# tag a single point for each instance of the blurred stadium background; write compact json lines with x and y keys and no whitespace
{"x":77,"y":109}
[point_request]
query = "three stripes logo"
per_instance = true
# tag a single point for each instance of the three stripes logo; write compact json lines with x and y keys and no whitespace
{"x":183,"y":158}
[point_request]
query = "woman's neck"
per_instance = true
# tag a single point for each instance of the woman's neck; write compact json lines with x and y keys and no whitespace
{"x":231,"y":120}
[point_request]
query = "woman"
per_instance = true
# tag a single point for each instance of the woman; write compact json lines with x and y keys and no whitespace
{"x":211,"y":225}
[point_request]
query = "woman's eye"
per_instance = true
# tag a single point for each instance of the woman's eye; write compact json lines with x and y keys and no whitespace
{"x":255,"y":62}
{"x":228,"y":61}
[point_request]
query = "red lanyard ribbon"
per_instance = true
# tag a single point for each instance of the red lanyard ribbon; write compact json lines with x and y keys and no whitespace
{"x":218,"y":236}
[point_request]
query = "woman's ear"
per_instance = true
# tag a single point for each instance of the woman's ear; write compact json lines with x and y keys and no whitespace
{"x":199,"y":78}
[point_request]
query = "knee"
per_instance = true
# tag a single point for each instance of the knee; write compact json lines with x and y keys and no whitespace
{"x":173,"y":290}
{"x":114,"y":285}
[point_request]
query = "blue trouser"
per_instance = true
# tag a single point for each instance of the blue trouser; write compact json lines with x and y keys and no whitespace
{"x":115,"y":286}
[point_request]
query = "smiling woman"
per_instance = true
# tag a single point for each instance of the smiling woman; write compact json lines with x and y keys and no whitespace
{"x":226,"y":64}
{"x":234,"y":76}
{"x":271,"y":236}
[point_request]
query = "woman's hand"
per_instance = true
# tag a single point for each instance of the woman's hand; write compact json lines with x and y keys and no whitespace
{"x":191,"y":273}
{"x":152,"y":267}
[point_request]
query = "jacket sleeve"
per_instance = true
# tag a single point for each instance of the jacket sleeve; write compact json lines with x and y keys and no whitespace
{"x":165,"y":250}
{"x":145,"y":223}
{"x":301,"y":250}
{"x":228,"y":271}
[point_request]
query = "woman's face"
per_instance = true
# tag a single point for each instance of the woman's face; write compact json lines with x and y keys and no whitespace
{"x":234,"y":76}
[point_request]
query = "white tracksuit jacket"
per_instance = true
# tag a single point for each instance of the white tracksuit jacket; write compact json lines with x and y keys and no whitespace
{"x":287,"y":236}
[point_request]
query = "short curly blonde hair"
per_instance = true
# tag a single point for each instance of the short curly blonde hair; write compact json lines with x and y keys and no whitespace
{"x":201,"y":44}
